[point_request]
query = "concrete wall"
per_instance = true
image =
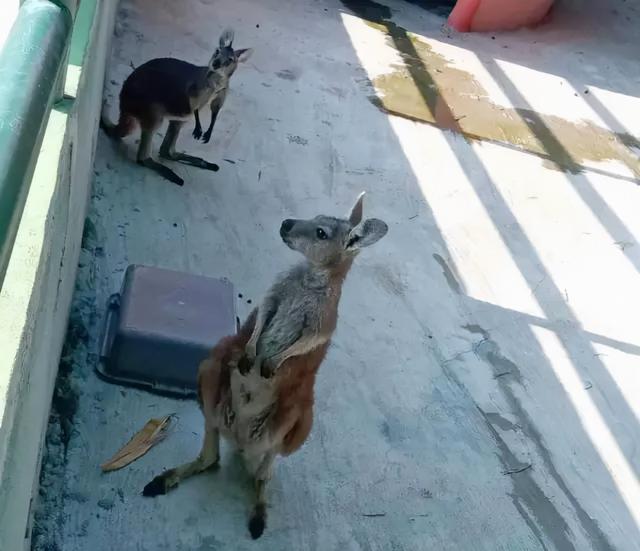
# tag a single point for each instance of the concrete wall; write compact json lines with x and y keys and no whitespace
{"x":36,"y":294}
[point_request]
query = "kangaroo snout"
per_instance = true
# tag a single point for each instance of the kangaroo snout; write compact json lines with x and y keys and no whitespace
{"x":286,"y":226}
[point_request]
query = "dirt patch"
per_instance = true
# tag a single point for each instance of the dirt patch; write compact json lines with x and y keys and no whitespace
{"x":427,"y":88}
{"x":77,"y":353}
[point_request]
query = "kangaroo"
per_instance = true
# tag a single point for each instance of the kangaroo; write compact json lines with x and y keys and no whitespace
{"x":256,"y":387}
{"x":168,"y":88}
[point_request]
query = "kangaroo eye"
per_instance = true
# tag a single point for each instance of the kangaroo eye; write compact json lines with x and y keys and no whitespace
{"x":216,"y":64}
{"x":321,"y":233}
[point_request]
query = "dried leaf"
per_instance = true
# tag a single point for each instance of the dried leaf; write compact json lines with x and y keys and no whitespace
{"x":152,"y":433}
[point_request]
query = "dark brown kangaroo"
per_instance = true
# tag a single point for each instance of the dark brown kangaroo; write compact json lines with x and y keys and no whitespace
{"x":167,"y":88}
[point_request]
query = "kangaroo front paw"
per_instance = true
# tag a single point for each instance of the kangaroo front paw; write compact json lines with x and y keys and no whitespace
{"x":250,"y":351}
{"x":197,"y":132}
{"x":244,"y":365}
{"x":267,"y":369}
{"x":247,"y":363}
{"x":206,"y":137}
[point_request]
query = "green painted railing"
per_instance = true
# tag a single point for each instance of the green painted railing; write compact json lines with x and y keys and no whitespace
{"x":30,"y":65}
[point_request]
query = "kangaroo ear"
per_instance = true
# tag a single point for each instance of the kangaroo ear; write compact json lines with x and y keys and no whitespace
{"x":226,"y":38}
{"x":367,"y":233}
{"x":355,"y":217}
{"x":244,"y":54}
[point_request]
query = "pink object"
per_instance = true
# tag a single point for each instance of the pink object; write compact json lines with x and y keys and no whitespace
{"x":497,"y":15}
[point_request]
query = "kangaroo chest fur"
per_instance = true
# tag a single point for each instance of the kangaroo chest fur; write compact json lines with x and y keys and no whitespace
{"x":206,"y":96}
{"x":300,"y":301}
{"x":206,"y":89}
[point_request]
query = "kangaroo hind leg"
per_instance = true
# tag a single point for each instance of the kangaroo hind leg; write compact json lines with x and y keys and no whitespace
{"x":258,"y":518}
{"x":168,"y":149}
{"x":144,"y":153}
{"x":208,"y":458}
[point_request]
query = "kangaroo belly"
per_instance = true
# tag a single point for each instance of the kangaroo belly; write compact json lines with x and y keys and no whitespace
{"x":245,"y":413}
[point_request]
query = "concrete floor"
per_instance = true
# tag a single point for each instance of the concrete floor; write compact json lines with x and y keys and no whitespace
{"x":482,"y":389}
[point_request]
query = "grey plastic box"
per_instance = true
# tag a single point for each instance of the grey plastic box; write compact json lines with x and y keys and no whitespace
{"x":162,"y":325}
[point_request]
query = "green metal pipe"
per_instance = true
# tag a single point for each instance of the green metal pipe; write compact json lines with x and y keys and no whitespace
{"x":30,"y":63}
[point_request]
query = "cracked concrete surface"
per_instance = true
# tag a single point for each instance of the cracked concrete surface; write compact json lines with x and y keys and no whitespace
{"x":481,"y":391}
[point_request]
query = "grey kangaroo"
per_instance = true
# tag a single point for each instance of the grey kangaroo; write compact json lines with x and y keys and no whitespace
{"x":168,"y":88}
{"x":256,"y":387}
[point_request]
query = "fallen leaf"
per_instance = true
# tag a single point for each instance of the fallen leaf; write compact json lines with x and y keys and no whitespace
{"x":153,"y":432}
